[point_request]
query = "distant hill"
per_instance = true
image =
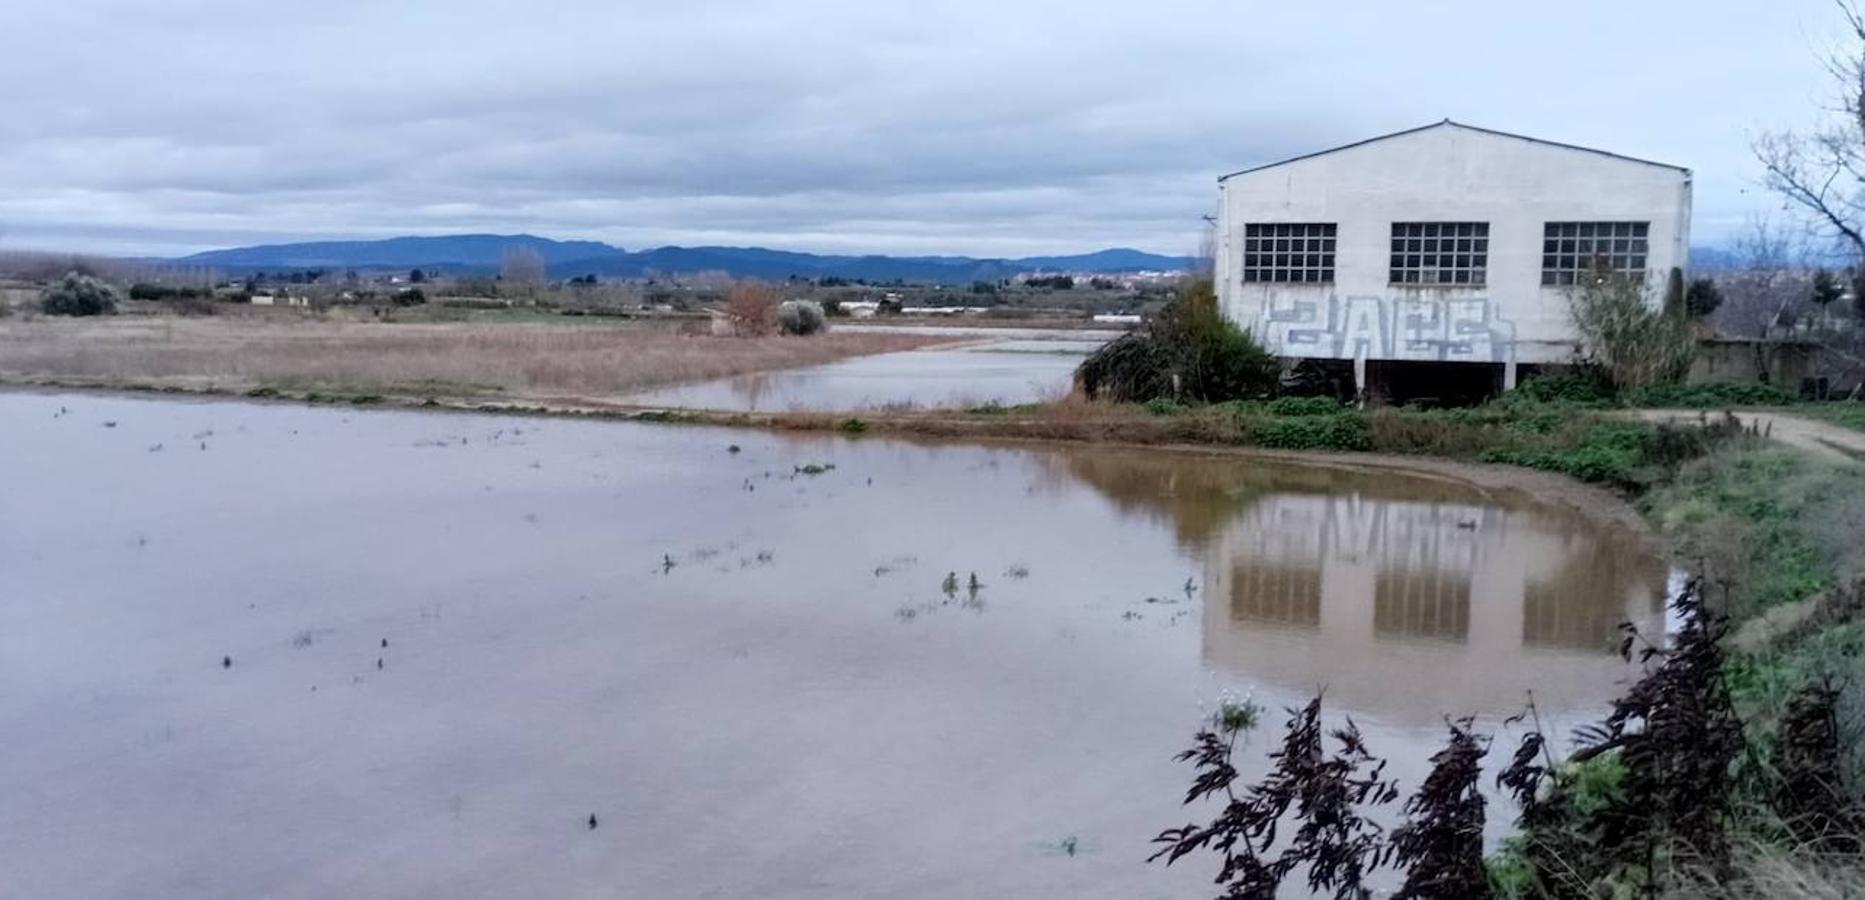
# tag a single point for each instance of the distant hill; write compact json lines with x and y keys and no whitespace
{"x":1713,"y":259}
{"x":451,"y":251}
{"x":467,"y":253}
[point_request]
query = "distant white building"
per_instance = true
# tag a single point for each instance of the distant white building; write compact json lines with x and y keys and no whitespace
{"x":1440,"y":259}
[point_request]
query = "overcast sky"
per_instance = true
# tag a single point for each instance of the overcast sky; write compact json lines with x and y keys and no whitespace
{"x":983,"y":128}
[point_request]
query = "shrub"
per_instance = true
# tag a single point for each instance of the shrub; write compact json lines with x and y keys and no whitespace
{"x":413,"y":296}
{"x":1702,"y":298}
{"x":144,"y":290}
{"x":1634,"y":343}
{"x":800,"y":317}
{"x":1612,"y":453}
{"x":752,"y":306}
{"x":1589,"y":387}
{"x":1709,"y":396}
{"x":1342,"y":431}
{"x":1189,"y":352}
{"x":78,"y":295}
{"x":1305,"y":406}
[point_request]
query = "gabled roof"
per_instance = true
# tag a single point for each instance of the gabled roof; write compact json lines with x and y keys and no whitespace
{"x":1450,"y":124}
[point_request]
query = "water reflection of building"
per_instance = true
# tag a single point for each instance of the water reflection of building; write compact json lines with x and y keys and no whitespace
{"x":1401,"y":594}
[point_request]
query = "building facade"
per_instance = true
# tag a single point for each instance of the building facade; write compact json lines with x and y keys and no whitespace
{"x":1440,"y":259}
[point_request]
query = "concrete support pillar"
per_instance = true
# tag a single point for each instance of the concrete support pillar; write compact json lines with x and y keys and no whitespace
{"x":1359,"y":378}
{"x":1508,"y":375}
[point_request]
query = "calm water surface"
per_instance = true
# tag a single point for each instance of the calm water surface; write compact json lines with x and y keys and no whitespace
{"x":1007,"y":371}
{"x":751,"y":676}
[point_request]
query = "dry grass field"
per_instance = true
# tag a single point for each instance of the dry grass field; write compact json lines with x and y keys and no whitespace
{"x":451,"y":359}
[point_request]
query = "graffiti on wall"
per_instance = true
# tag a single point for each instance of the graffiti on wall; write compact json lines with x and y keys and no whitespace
{"x":1406,"y":328}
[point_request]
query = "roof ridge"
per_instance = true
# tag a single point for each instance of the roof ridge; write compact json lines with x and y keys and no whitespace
{"x":1448,"y":122}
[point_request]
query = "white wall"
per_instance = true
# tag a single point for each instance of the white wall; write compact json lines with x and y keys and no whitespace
{"x":1445,"y":173}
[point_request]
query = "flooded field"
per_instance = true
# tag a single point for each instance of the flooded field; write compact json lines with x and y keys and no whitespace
{"x":258,"y":650}
{"x":1009,"y":372}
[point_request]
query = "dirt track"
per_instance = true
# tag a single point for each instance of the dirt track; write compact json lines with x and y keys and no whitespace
{"x":1820,"y":438}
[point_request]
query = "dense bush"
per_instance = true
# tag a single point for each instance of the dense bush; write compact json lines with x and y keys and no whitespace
{"x":1346,"y":430}
{"x":1635,"y":344}
{"x":78,"y":295}
{"x":144,"y":290}
{"x":1709,"y":396}
{"x":1189,"y":352}
{"x":1305,"y":406}
{"x":413,"y":296}
{"x":1587,"y":387}
{"x":800,"y":317}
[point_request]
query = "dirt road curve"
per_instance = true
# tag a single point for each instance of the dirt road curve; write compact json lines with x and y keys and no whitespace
{"x":1820,"y":438}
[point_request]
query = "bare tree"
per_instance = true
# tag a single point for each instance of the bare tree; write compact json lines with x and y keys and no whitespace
{"x":1765,"y":295}
{"x":753,"y":307}
{"x":522,"y":265}
{"x":1823,"y":170}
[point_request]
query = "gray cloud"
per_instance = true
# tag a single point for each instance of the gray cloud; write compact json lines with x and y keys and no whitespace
{"x":962,"y":127}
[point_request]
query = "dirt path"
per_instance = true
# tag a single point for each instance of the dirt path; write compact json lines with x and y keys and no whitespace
{"x":1823,"y":439}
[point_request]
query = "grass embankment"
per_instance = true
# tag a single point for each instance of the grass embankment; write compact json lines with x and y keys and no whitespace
{"x":442,"y":361}
{"x":1590,"y":445}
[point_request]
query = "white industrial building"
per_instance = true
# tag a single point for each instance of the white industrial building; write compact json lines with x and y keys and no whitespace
{"x":1438,"y":260}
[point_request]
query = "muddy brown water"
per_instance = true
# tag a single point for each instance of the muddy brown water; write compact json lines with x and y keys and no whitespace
{"x":749,"y":675}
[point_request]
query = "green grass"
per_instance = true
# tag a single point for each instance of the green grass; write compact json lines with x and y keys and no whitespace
{"x":1573,"y":440}
{"x":1764,"y":526}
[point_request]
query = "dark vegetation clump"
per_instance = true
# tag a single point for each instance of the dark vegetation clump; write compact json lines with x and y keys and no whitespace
{"x":1343,"y":429}
{"x":146,"y":290}
{"x":1586,"y":387}
{"x":1305,"y":406}
{"x":1649,"y":791}
{"x":1188,"y":353}
{"x":78,"y":295}
{"x":1709,"y":396}
{"x":1324,"y":793}
{"x":1811,"y":798}
{"x":1658,"y":794}
{"x":1441,"y":843}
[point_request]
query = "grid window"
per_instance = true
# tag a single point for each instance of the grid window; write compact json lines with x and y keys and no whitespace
{"x":1440,"y":253}
{"x":1570,"y":249}
{"x":1288,"y":252}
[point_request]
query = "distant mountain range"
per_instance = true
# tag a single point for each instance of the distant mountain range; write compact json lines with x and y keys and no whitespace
{"x":1713,"y":259}
{"x":482,"y":253}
